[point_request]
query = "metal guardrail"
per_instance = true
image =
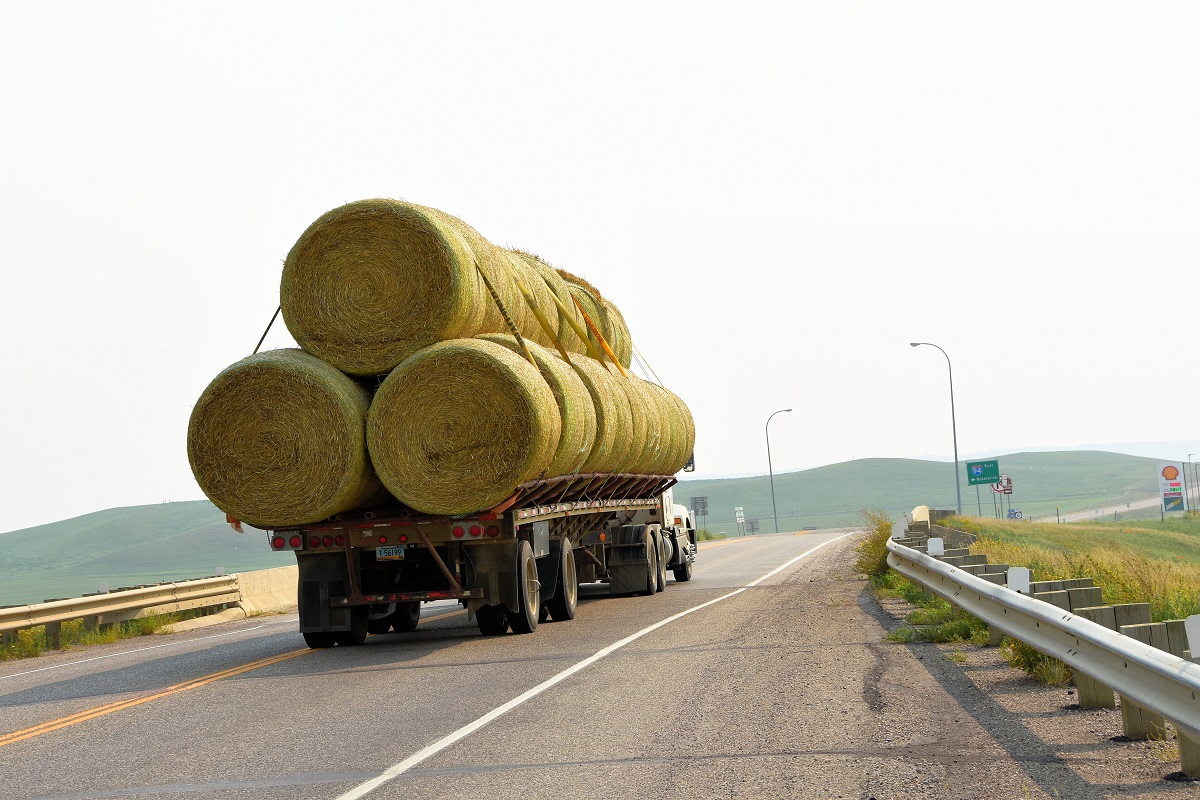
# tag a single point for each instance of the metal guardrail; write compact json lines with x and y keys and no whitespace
{"x":118,"y":606}
{"x":1153,"y":678}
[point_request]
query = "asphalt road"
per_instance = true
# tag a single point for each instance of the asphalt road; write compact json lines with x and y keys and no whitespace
{"x":764,"y":676}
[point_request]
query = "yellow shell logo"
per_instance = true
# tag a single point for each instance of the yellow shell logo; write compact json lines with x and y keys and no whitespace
{"x":1170,"y":472}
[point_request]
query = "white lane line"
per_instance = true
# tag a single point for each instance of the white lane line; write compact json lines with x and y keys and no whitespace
{"x":141,"y":650}
{"x":362,"y":790}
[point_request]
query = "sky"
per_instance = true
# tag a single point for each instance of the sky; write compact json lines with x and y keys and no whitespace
{"x":780,"y":197}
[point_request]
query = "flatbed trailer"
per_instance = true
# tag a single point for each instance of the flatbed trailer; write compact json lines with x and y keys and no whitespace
{"x":512,"y":566}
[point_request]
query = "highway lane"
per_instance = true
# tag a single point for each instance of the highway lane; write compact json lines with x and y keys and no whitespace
{"x":754,"y":686}
{"x":66,"y":686}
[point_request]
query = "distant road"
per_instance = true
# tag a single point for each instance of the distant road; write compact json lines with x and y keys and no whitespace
{"x":1106,"y":511}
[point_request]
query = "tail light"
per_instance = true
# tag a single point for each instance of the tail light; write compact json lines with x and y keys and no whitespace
{"x":493,"y":530}
{"x":476,"y":531}
{"x":458,"y":532}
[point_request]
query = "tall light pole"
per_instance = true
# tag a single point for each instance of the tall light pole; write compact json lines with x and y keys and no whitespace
{"x":771,"y":471}
{"x":953,"y":425}
{"x":1187,"y":491}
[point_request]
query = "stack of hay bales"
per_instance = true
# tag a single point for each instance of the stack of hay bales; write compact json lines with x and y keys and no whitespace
{"x":417,"y":307}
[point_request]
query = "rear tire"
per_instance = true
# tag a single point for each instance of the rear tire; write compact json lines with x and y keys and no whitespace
{"x":491,"y":620}
{"x":650,"y":546}
{"x":358,"y":629}
{"x":524,"y":618}
{"x":406,"y":616}
{"x":683,"y":572}
{"x":319,"y":640}
{"x":660,"y":555}
{"x":562,"y":605}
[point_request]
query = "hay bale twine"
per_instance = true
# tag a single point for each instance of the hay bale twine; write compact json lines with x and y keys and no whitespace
{"x":278,"y":439}
{"x":613,"y":417}
{"x":374,"y":281}
{"x":456,"y":427}
{"x":575,"y":406}
{"x":558,"y":287}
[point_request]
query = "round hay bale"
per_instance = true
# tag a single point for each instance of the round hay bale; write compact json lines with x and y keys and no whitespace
{"x":493,"y":261}
{"x":596,"y":313}
{"x":278,"y":439}
{"x":371,"y":282}
{"x":622,"y":342}
{"x":614,"y":420}
{"x":658,"y":431}
{"x":456,"y":427}
{"x":555,"y":283}
{"x":575,"y":406}
{"x":532,"y":329}
{"x":644,"y":433}
{"x":685,"y":430}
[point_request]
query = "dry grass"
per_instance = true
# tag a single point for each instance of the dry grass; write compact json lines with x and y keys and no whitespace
{"x":278,"y":439}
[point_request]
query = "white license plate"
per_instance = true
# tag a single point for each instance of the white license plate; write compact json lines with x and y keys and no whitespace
{"x":389,"y":553}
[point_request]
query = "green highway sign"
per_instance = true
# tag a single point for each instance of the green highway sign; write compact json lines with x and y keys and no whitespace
{"x":979,"y":472}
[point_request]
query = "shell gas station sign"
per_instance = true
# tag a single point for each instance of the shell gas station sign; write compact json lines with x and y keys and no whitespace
{"x":1170,"y":484}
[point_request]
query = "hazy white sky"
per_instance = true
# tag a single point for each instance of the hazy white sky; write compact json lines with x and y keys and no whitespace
{"x":779,"y":196}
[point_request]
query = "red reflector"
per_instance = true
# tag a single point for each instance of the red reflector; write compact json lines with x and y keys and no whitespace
{"x":314,"y":541}
{"x":340,"y":541}
{"x":458,"y":532}
{"x":295,"y":541}
{"x":327,"y":541}
{"x":383,"y":540}
{"x":277,"y":543}
{"x":403,"y":538}
{"x":476,"y":530}
{"x":493,"y":530}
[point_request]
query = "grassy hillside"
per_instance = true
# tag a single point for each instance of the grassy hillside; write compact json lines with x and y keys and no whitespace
{"x":835,"y":494}
{"x":126,"y":547}
{"x":176,"y":541}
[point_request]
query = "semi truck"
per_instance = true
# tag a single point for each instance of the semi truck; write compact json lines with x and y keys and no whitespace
{"x":512,"y":566}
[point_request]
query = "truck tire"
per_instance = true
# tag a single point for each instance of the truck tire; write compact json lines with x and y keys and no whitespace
{"x":660,"y":558}
{"x":651,"y":548}
{"x":491,"y":620}
{"x":406,"y":616}
{"x":562,"y":605}
{"x":319,"y":640}
{"x":380,"y":621}
{"x":683,"y":572}
{"x":524,"y":618}
{"x":358,"y":629}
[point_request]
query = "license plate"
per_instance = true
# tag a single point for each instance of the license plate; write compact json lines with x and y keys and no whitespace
{"x":389,"y":553}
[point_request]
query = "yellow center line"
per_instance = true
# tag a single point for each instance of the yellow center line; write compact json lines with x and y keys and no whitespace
{"x":120,"y":705}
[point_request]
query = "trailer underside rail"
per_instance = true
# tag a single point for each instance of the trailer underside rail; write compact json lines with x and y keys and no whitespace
{"x":404,"y":597}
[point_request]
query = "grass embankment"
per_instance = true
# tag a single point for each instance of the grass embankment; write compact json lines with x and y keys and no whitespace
{"x":1147,"y":562}
{"x":33,"y":642}
{"x":1151,"y":562}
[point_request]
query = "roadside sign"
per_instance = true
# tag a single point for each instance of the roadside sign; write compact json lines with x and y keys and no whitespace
{"x":1170,"y":484}
{"x":1003,"y":485}
{"x":979,"y":472}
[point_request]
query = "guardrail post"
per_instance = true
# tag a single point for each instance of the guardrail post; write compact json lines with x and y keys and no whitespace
{"x":1093,"y":693}
{"x":54,"y":635}
{"x":1189,"y":747}
{"x":1139,"y":722}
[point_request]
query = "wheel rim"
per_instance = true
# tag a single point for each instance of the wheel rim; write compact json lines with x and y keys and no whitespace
{"x":571,"y":585}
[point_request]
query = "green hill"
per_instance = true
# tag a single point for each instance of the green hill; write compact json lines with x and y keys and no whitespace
{"x":834,"y":495}
{"x":175,"y":541}
{"x":127,"y":547}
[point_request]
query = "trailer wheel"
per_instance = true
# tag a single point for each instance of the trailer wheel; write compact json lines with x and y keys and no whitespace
{"x":562,"y":605}
{"x":406,"y":616}
{"x":524,"y":618}
{"x":380,"y":621}
{"x":319,"y":640}
{"x":491,"y":620}
{"x":651,"y":549}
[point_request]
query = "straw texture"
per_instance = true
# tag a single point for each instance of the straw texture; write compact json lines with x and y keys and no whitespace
{"x":456,"y":427}
{"x":614,"y":418}
{"x":278,"y":439}
{"x":576,"y":409}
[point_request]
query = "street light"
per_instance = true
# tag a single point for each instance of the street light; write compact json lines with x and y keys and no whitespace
{"x":1185,"y":484}
{"x":953,"y":426}
{"x":770,"y":471}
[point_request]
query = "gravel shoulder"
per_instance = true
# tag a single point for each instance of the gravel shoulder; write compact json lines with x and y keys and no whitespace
{"x":1064,"y":750}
